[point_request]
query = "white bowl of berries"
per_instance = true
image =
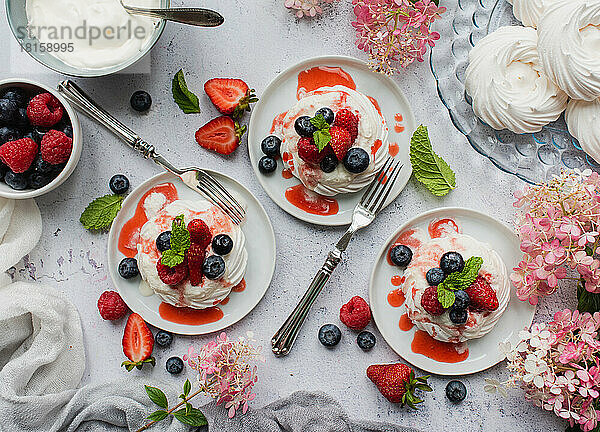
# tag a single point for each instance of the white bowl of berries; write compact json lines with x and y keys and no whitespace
{"x":40,"y":139}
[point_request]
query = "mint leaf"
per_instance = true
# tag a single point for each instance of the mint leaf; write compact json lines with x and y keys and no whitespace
{"x":445,"y":296}
{"x":100,"y":213}
{"x":464,"y":279}
{"x":158,"y":416}
{"x":186,"y":100}
{"x":428,"y":167}
{"x":172,"y":258}
{"x":180,"y":243}
{"x":157,"y":396}
{"x":321,"y":139}
{"x":193,"y":418}
{"x":319,"y":122}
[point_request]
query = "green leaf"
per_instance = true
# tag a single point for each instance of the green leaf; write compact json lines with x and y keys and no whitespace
{"x":101,"y":212}
{"x":321,"y":138}
{"x":157,"y":396}
{"x":464,"y":279}
{"x":180,"y":243}
{"x":172,"y":258}
{"x":319,"y":122}
{"x":428,"y":167}
{"x":194,"y":418}
{"x":186,"y":100}
{"x":587,"y":301}
{"x":158,"y":415}
{"x":445,"y":296}
{"x":187,"y":387}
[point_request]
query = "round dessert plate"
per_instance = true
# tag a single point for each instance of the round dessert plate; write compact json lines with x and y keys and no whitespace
{"x":260,"y":243}
{"x":483,"y":352}
{"x":280,"y":96}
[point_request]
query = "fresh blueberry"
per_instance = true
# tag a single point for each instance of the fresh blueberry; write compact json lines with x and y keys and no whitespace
{"x":8,"y":134}
{"x":267,"y":165}
{"x":37,"y":134}
{"x":68,"y":131}
{"x":458,"y":316}
{"x":222,"y":244}
{"x":15,"y":181}
{"x":329,"y":163}
{"x":357,"y":160}
{"x":401,"y":255}
{"x":462,"y":300}
{"x":163,"y":339}
{"x":163,"y":241}
{"x":435,"y":276}
{"x":452,"y":262}
{"x":3,"y":170}
{"x":271,"y":146}
{"x":330,"y":335}
{"x":366,"y":340}
{"x":21,"y":119}
{"x":17,"y":95}
{"x":119,"y":184}
{"x":214,"y":267}
{"x":128,"y":268}
{"x":40,"y":166}
{"x":174,"y":365}
{"x":456,"y":391}
{"x":141,"y":101}
{"x":327,"y":114}
{"x":8,"y":111}
{"x":38,"y":180}
{"x":304,"y":127}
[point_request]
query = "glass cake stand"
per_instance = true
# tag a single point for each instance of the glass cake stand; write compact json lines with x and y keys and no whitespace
{"x":531,"y":157}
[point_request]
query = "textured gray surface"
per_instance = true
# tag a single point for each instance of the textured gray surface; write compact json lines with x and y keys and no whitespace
{"x":260,"y":39}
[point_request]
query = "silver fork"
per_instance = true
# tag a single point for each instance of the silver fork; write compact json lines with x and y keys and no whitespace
{"x":195,"y":178}
{"x":365,"y":212}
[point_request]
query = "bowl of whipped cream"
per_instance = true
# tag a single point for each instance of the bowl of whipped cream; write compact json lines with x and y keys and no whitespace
{"x":84,"y":38}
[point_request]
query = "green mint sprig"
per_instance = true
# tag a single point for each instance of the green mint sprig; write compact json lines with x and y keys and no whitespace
{"x":101,"y":212}
{"x":183,"y":411}
{"x":428,"y":167}
{"x":458,"y":281}
{"x":180,"y":243}
{"x":322,"y":136}
{"x":186,"y":100}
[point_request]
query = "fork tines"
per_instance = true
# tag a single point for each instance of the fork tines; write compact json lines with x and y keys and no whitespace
{"x":215,"y":192}
{"x":379,"y":190}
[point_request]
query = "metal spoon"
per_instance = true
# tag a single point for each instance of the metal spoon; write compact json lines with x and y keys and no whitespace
{"x":192,"y":16}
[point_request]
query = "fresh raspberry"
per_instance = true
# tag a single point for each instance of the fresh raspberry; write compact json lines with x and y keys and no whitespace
{"x":172,"y":275}
{"x":56,"y":147}
{"x":430,"y":302}
{"x":340,"y":141}
{"x":199,"y":233}
{"x":308,"y":151}
{"x":19,"y":154}
{"x":346,"y":119}
{"x":356,"y":313}
{"x":111,"y":306}
{"x":44,"y":110}
{"x":195,"y":257}
{"x":482,"y":296}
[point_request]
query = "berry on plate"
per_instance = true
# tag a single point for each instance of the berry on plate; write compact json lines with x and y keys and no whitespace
{"x":461,"y":300}
{"x":214,"y":267}
{"x":111,"y":306}
{"x":482,"y":296}
{"x":163,"y":339}
{"x":174,"y":365}
{"x":357,"y":160}
{"x":355,"y":314}
{"x":308,"y":151}
{"x":128,"y":268}
{"x":452,"y":262}
{"x":172,"y":275}
{"x":119,"y":184}
{"x":230,"y":96}
{"x":267,"y":165}
{"x":397,"y":383}
{"x":346,"y":119}
{"x":330,"y":335}
{"x":222,"y":244}
{"x":340,"y":141}
{"x":329,"y":163}
{"x":141,"y":101}
{"x":304,"y":127}
{"x":199,"y":233}
{"x":458,"y":316}
{"x":138,"y":343}
{"x":435,"y":276}
{"x":366,"y":340}
{"x":163,"y":241}
{"x":19,"y":154}
{"x":56,"y":147}
{"x":401,"y":255}
{"x":430,"y":302}
{"x":327,"y":114}
{"x":271,"y":146}
{"x":44,"y":110}
{"x":222,"y":135}
{"x":195,"y":258}
{"x":456,"y":391}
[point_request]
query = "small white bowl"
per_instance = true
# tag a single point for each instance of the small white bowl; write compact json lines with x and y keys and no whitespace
{"x":35,"y":87}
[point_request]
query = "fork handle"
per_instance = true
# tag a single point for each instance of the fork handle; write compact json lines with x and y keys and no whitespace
{"x":282,"y":341}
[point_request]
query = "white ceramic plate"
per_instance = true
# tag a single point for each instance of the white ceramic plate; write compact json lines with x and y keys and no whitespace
{"x":280,"y":96}
{"x":483,"y":352}
{"x":260,"y":243}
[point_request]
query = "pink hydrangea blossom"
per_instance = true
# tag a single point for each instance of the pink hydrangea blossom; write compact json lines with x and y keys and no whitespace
{"x":306,"y":8}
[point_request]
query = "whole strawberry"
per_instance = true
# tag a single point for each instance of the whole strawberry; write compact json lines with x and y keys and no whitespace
{"x":308,"y":151}
{"x":482,"y":296}
{"x":340,"y":141}
{"x":430,"y":302}
{"x":195,"y":257}
{"x":355,"y":314}
{"x":397,"y":383}
{"x":347,"y":120}
{"x":111,"y":306}
{"x":19,"y":154}
{"x":199,"y":233}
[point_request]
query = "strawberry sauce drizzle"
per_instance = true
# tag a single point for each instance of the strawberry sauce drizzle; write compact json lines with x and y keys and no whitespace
{"x":393,"y":149}
{"x":405,"y":323}
{"x":189,"y":316}
{"x":442,"y":227}
{"x":436,"y":350}
{"x":376,"y":104}
{"x":311,"y":202}
{"x":322,"y":76}
{"x":396,"y":298}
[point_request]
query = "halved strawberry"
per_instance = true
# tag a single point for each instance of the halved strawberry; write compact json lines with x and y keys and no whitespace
{"x":221,"y":135}
{"x":196,"y":254}
{"x":138,"y":343}
{"x":230,"y":96}
{"x":340,"y":141}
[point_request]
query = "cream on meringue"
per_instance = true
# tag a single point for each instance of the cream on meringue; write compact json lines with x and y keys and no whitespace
{"x":583,"y":122}
{"x":529,"y":11}
{"x":508,"y":85}
{"x":569,"y":42}
{"x":372,"y":133}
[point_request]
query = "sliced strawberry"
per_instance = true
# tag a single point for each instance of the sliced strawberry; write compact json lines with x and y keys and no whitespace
{"x":221,"y":135}
{"x":138,"y":343}
{"x":308,"y":151}
{"x":346,"y":119}
{"x":199,"y":233}
{"x":230,"y":96}
{"x":482,"y":296}
{"x":340,"y":141}
{"x":196,"y":255}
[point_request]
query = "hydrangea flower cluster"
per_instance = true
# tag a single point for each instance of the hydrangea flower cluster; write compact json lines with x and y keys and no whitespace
{"x":558,"y":366}
{"x":558,"y":226}
{"x":395,"y":32}
{"x":306,"y":8}
{"x":226,"y":371}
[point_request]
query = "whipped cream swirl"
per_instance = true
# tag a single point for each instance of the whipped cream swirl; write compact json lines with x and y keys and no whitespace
{"x":508,"y":85}
{"x":583,"y":121}
{"x":569,"y":43}
{"x":529,"y":11}
{"x":427,"y":256}
{"x":372,"y":136}
{"x":209,"y":292}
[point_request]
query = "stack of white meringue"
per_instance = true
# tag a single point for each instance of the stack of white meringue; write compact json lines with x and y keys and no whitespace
{"x":522,"y":78}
